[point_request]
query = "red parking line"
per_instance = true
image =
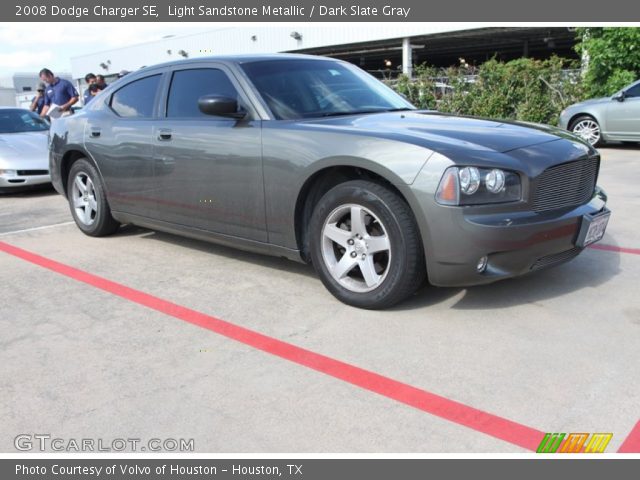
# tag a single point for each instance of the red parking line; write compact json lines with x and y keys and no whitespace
{"x":632,"y":442}
{"x":487,"y":423}
{"x":613,"y":248}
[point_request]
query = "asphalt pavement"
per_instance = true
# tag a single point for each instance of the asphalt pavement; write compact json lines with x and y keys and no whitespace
{"x":148,"y":335}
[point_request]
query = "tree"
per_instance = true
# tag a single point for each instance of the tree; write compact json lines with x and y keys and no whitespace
{"x":613,"y":58}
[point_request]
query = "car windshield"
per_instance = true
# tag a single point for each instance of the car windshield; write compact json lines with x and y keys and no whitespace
{"x":16,"y":121}
{"x":295,"y":89}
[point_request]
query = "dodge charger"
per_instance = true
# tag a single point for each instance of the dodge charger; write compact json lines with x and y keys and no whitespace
{"x":312,"y":159}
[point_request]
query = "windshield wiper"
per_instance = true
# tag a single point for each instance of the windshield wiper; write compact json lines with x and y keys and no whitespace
{"x":403,"y":109}
{"x":361,"y":112}
{"x":353,"y":112}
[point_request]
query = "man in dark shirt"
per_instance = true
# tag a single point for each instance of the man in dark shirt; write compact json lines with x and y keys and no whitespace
{"x":59,"y":92}
{"x":100,"y":82}
{"x":37,"y":102}
{"x":91,"y":79}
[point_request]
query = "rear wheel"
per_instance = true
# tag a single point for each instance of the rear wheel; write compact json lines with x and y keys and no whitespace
{"x":87,"y":200}
{"x":365,"y":246}
{"x":588,"y":129}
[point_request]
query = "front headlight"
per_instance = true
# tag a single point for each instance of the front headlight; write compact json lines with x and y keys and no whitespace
{"x":8,"y":173}
{"x":478,"y":186}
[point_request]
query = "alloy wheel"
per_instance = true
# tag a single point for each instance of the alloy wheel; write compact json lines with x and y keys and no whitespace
{"x":356,"y":248}
{"x":589,"y":130}
{"x":84,"y":199}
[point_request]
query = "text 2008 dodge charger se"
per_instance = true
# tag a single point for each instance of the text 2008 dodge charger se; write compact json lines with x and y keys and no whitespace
{"x":312,"y":159}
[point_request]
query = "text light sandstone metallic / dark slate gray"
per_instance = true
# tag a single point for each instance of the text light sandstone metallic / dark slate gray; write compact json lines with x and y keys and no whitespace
{"x":314,"y":160}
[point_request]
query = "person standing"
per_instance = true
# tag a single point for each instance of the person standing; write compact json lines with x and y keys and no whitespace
{"x":91,"y":79}
{"x":37,"y":102}
{"x":101,"y":82}
{"x":60,"y":92}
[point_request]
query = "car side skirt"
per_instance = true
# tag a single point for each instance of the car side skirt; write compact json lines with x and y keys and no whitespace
{"x":209,"y":236}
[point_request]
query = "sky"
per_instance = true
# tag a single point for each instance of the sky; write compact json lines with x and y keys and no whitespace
{"x":28,"y":47}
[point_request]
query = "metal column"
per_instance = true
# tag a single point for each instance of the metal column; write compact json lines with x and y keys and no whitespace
{"x":407,"y":61}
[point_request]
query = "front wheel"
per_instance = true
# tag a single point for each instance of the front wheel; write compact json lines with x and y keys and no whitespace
{"x":365,"y":246}
{"x":87,"y":200}
{"x":588,"y":129}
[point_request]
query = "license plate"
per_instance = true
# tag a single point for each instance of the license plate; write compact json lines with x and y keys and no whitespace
{"x":593,"y":228}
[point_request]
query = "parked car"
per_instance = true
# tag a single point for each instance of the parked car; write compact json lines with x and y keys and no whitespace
{"x":24,"y":153}
{"x":314,"y":160}
{"x":605,"y":119}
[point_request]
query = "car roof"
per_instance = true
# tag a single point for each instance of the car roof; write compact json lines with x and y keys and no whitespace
{"x":235,"y":59}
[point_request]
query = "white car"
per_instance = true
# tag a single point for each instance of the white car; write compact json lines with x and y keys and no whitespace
{"x":24,"y":152}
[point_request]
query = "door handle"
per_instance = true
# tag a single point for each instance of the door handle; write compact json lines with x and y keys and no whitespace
{"x":164,"y":134}
{"x":95,"y":132}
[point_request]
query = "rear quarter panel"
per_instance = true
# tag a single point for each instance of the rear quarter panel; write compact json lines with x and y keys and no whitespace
{"x":66,"y":134}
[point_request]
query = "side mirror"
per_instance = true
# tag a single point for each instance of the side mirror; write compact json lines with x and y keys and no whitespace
{"x":220,"y":106}
{"x":620,"y":96}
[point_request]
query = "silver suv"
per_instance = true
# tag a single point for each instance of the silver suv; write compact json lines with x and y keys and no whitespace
{"x":610,"y":118}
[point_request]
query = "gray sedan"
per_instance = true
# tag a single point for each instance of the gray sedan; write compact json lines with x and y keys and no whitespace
{"x":314,"y":160}
{"x":24,"y":156}
{"x":600,"y":120}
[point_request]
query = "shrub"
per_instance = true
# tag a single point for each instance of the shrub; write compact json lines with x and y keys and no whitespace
{"x":613,"y":58}
{"x":524,"y":89}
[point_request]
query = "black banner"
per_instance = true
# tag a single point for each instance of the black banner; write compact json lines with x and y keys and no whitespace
{"x":318,"y":11}
{"x":316,"y":469}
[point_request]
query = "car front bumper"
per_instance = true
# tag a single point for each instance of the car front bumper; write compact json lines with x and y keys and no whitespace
{"x":17,"y":181}
{"x":515,"y":244}
{"x":563,"y":120}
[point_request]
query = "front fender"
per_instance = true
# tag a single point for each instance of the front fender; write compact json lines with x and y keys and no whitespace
{"x":292,"y":157}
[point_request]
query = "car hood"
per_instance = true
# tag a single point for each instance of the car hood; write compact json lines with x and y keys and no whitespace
{"x":443,"y":132}
{"x":590,"y":102}
{"x":26,"y":150}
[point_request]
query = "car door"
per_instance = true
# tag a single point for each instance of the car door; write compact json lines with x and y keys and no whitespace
{"x":209,"y":168}
{"x":119,"y":137}
{"x":623,"y":117}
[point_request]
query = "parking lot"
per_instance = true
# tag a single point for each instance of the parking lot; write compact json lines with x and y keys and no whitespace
{"x":149,"y":335}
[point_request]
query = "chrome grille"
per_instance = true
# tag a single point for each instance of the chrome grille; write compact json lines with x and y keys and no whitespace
{"x":556,"y":258}
{"x":566,"y":185}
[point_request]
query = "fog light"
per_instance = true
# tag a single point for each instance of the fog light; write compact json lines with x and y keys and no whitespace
{"x":482,"y":264}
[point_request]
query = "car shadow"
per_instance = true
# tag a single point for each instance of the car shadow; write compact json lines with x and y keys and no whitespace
{"x":620,"y":146}
{"x":589,"y":270}
{"x":31,"y":192}
{"x":267,"y":261}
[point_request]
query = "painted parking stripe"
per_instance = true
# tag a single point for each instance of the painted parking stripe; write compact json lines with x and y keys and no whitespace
{"x":34,"y":229}
{"x":613,"y":248}
{"x":456,"y":412}
{"x":632,"y":442}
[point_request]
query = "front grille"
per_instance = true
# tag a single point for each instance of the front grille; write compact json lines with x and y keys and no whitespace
{"x":565,"y":185}
{"x":26,"y":173}
{"x":556,"y":258}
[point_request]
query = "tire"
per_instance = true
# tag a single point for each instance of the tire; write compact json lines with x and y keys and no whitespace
{"x":87,"y":200}
{"x":375,"y":263}
{"x":587,"y":128}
